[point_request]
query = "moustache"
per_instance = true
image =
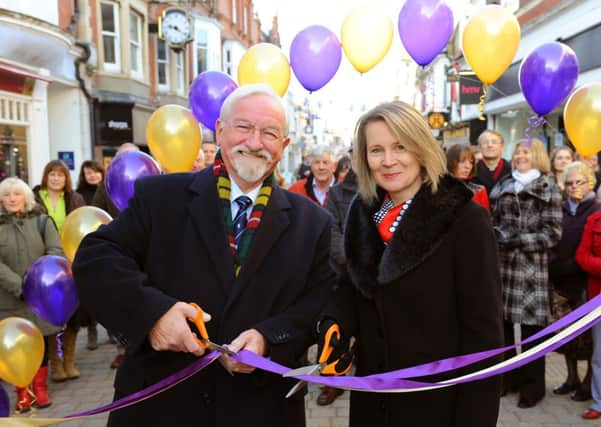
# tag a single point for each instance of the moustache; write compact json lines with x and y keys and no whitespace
{"x":264,"y":154}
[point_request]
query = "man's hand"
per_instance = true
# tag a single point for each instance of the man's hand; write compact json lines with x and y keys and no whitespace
{"x":172,"y":332}
{"x":250,"y":340}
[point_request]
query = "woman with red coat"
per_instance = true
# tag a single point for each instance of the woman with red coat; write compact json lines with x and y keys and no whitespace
{"x":588,"y":257}
{"x":461,"y":163}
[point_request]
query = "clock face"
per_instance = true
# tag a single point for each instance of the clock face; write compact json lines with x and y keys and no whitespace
{"x":175,"y":27}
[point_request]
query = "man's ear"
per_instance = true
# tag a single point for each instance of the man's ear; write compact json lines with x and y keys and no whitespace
{"x":286,"y":141}
{"x":218,"y":131}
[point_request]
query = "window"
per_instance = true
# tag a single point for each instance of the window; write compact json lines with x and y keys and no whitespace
{"x":162,"y":65}
{"x":234,"y":17}
{"x":110,"y":36}
{"x":202,"y":51}
{"x":135,"y":44}
{"x":245,"y":19}
{"x":180,"y":73}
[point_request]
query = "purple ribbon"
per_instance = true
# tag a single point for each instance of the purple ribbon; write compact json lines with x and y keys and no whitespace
{"x":154,"y":389}
{"x":379,"y":382}
{"x":534,"y":121}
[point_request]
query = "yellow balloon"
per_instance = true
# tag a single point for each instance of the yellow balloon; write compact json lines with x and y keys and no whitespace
{"x":366,"y":36}
{"x":265,"y":63}
{"x":78,"y":223}
{"x":582,"y":119}
{"x":174,"y":137}
{"x":21,"y":350}
{"x":490,"y":40}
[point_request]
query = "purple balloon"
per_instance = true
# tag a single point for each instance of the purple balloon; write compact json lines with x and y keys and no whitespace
{"x":315,"y":56}
{"x":49,"y":289}
{"x":207,"y":93}
{"x":425,"y":27}
{"x":122,"y":173}
{"x":548,"y":75}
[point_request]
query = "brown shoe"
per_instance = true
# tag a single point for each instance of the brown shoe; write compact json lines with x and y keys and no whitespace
{"x":328,"y":395}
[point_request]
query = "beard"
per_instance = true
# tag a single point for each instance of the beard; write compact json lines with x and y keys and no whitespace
{"x":251,"y":166}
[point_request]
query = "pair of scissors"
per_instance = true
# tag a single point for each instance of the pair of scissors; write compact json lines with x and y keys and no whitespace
{"x":322,"y":367}
{"x":204,"y":341}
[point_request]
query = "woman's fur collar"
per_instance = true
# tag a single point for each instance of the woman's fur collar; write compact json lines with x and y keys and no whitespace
{"x":371,"y":263}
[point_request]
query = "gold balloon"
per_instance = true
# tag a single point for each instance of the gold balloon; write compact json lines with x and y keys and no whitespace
{"x":582,"y":119}
{"x":265,"y":63}
{"x":366,"y":36}
{"x":174,"y":137}
{"x":21,"y":350}
{"x":78,"y":223}
{"x":490,"y":41}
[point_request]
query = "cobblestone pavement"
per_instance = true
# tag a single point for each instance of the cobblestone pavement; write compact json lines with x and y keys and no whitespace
{"x":94,"y":388}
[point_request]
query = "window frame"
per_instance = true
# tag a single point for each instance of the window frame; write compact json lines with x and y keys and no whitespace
{"x":197,"y":48}
{"x":139,"y":45}
{"x":180,"y":73}
{"x":112,"y":67}
{"x":166,"y":62}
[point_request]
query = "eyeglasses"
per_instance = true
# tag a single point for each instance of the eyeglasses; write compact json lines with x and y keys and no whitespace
{"x":242,"y":127}
{"x":578,"y":182}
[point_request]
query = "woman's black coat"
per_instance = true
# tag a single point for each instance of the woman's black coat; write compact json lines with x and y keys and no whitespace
{"x":433,"y":292}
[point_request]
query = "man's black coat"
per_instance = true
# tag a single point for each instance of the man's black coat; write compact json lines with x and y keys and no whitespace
{"x":170,"y":245}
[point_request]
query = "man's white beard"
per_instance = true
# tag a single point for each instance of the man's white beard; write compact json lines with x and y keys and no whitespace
{"x":249,"y":167}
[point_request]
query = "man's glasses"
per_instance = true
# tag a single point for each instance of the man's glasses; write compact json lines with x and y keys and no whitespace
{"x":578,"y":183}
{"x":242,"y":127}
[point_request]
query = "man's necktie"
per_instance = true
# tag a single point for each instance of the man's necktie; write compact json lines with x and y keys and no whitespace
{"x":240,"y":220}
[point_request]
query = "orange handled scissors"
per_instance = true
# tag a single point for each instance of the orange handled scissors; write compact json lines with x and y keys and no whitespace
{"x":321,"y":367}
{"x":204,"y":341}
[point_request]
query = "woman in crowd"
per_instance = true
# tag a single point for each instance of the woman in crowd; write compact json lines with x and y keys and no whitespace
{"x":560,"y":157}
{"x":415,"y":244}
{"x":526,"y":214}
{"x":567,"y":278}
{"x":56,"y":194}
{"x":461,"y":163}
{"x":342,"y":168}
{"x":91,"y":175}
{"x":588,"y":256}
{"x":26,"y":234}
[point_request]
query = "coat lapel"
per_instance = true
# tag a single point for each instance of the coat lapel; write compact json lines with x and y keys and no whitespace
{"x":274,"y":222}
{"x":207,"y":216}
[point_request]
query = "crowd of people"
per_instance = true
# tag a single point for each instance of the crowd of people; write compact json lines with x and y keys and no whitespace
{"x":411,"y":253}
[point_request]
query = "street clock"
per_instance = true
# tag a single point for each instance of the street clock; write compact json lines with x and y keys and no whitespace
{"x":175,"y":27}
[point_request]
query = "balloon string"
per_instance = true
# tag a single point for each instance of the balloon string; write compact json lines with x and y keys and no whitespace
{"x":59,"y":345}
{"x":534,"y":121}
{"x":481,"y":103}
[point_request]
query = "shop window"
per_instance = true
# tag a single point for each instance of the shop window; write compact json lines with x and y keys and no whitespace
{"x":110,"y":36}
{"x":162,"y":65}
{"x":13,"y":152}
{"x":180,"y":73}
{"x":135,"y":44}
{"x":234,"y":14}
{"x":245,"y":19}
{"x":202,"y":50}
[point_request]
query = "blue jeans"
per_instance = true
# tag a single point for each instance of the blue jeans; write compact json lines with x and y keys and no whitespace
{"x":596,"y":366}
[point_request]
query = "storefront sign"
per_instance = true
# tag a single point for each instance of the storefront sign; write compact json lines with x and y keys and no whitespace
{"x":470,"y":90}
{"x":114,"y":123}
{"x":68,"y":158}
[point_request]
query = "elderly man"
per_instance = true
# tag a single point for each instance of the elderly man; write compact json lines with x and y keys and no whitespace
{"x":321,"y":178}
{"x":227,"y":239}
{"x":492,"y":167}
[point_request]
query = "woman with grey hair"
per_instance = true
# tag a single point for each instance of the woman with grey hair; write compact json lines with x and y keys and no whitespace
{"x":421,"y":281}
{"x":27,"y":234}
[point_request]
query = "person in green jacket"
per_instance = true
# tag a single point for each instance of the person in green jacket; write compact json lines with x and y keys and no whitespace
{"x":25,"y":237}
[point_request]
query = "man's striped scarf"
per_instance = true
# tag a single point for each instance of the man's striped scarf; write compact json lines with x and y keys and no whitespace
{"x":224,"y":189}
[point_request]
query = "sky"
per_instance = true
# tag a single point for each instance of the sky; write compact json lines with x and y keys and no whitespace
{"x":347,"y":87}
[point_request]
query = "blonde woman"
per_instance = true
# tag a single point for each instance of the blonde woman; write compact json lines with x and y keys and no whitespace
{"x":422,"y":279}
{"x":526,"y":214}
{"x":560,"y":158}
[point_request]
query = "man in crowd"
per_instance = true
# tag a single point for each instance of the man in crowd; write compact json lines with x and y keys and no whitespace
{"x":492,"y":167}
{"x":227,"y":239}
{"x":321,"y":178}
{"x":209,"y":148}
